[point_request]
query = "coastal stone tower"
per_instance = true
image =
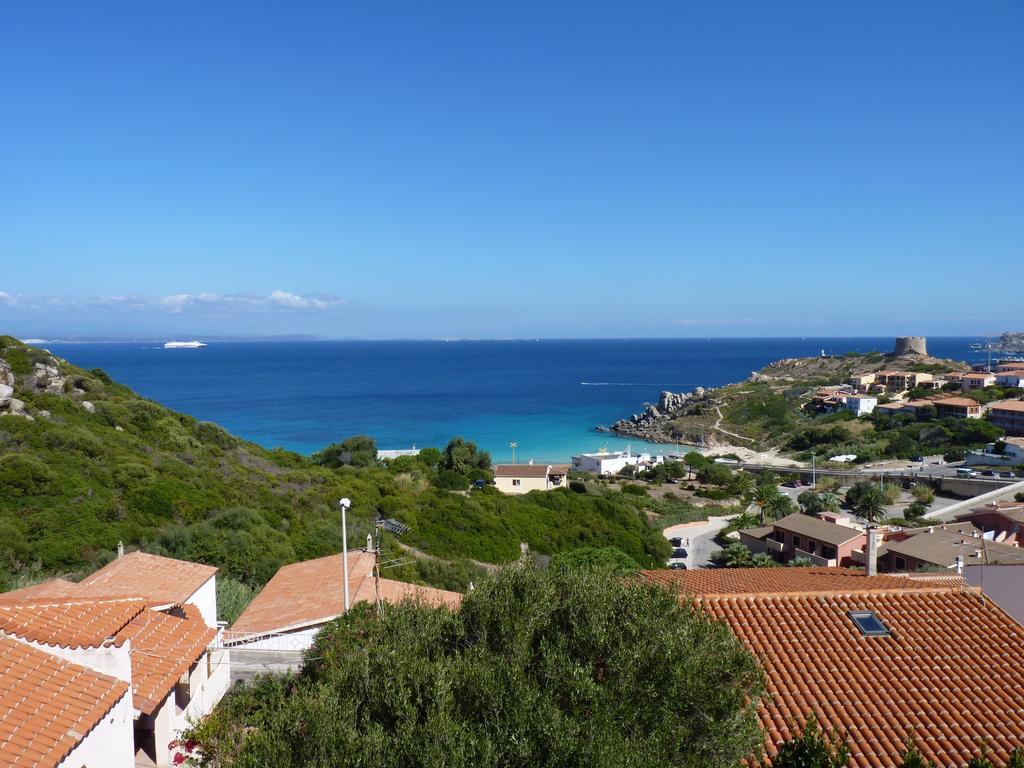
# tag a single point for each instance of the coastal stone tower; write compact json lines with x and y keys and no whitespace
{"x":911,"y":345}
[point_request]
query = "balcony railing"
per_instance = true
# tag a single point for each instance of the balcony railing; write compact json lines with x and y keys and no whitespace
{"x":773,"y":546}
{"x":816,"y":559}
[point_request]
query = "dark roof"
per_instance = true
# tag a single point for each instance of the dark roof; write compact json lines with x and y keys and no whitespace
{"x":530,"y":470}
{"x":818,"y":529}
{"x":942,"y":547}
{"x":758,"y":533}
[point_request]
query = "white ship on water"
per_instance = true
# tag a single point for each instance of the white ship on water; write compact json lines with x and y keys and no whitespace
{"x":184,"y":345}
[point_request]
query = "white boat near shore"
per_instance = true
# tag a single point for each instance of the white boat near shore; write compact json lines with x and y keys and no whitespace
{"x":184,"y":345}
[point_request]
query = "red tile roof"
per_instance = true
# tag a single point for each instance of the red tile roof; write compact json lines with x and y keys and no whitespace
{"x":312,"y":592}
{"x":49,"y":588}
{"x":1016,"y":406}
{"x":760,"y":581}
{"x":68,"y":622}
{"x":47,"y":705}
{"x":163,"y":647}
{"x":949,"y":672}
{"x":150,"y":576}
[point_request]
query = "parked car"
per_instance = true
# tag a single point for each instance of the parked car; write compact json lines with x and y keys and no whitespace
{"x":676,"y":541}
{"x":678,"y":566}
{"x":678,"y":552}
{"x":988,"y":473}
{"x":1005,"y":475}
{"x":963,"y":472}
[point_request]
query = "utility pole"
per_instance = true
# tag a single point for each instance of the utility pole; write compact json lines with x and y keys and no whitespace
{"x":814,"y":481}
{"x":513,"y":445}
{"x":344,"y":504}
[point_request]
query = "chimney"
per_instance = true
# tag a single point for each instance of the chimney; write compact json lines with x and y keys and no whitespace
{"x":871,"y":566}
{"x":369,"y":542}
{"x":959,"y":566}
{"x":120,"y":549}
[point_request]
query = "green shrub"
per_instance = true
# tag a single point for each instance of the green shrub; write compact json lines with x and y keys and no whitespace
{"x":524,"y":674}
{"x":23,"y":476}
{"x":451,"y":480}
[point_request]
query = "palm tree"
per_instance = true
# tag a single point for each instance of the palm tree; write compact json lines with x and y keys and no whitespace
{"x":765,"y":497}
{"x":744,"y":486}
{"x":871,"y":505}
{"x":830,"y":502}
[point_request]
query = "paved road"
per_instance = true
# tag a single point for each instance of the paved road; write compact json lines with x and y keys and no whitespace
{"x":702,"y":539}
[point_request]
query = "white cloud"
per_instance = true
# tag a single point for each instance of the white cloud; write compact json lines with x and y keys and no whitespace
{"x":176,"y":303}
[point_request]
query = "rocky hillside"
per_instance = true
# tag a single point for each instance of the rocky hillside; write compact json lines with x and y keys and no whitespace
{"x":85,"y":463}
{"x":753,"y":413}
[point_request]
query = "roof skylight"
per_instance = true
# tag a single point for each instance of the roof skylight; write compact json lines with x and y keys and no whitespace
{"x":869,"y":624}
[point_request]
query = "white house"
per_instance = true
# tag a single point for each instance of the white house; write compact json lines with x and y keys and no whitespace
{"x":611,"y":463}
{"x":860,"y":405}
{"x":132,"y":623}
{"x":92,"y":711}
{"x":523,"y":478}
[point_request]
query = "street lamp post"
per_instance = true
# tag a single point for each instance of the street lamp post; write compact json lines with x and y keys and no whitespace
{"x":814,"y":482}
{"x":344,"y":504}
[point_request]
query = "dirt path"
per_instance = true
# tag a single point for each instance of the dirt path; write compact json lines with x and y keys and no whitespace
{"x":718,"y":426}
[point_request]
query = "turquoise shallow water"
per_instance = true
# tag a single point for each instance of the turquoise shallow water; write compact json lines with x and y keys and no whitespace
{"x":546,"y":395}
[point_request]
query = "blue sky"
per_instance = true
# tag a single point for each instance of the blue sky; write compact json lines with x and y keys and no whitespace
{"x":411,"y":169}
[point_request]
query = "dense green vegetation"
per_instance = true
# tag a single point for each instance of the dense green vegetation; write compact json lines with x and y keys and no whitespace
{"x":565,"y":667}
{"x":75,"y":482}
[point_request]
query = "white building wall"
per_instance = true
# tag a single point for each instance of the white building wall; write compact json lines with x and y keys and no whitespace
{"x":111,"y":660}
{"x":110,"y":744}
{"x":205,"y":599}
{"x":526,"y":484}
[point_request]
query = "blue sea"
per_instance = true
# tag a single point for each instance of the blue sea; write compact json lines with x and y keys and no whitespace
{"x":545,"y":395}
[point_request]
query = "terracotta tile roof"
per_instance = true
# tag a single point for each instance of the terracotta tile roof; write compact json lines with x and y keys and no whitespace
{"x":49,"y":588}
{"x":959,"y":402}
{"x":978,"y":376}
{"x":1017,"y":406}
{"x":151,"y":577}
{"x":47,"y":705}
{"x":529,"y":470}
{"x":163,"y":647}
{"x":818,"y":529}
{"x":949,"y":672}
{"x":68,"y":622}
{"x":312,"y":592}
{"x":759,"y":581}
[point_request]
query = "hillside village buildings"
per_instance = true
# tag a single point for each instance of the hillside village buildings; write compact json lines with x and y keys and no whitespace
{"x":1009,"y":416}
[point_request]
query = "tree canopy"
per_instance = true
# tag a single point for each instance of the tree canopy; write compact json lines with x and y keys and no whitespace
{"x":566,"y":667}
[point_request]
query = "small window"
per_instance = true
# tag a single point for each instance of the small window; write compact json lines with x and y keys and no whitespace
{"x":869,"y":624}
{"x":828,"y":552}
{"x":796,"y":541}
{"x":812,"y":546}
{"x":900,"y":563}
{"x":517,"y":482}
